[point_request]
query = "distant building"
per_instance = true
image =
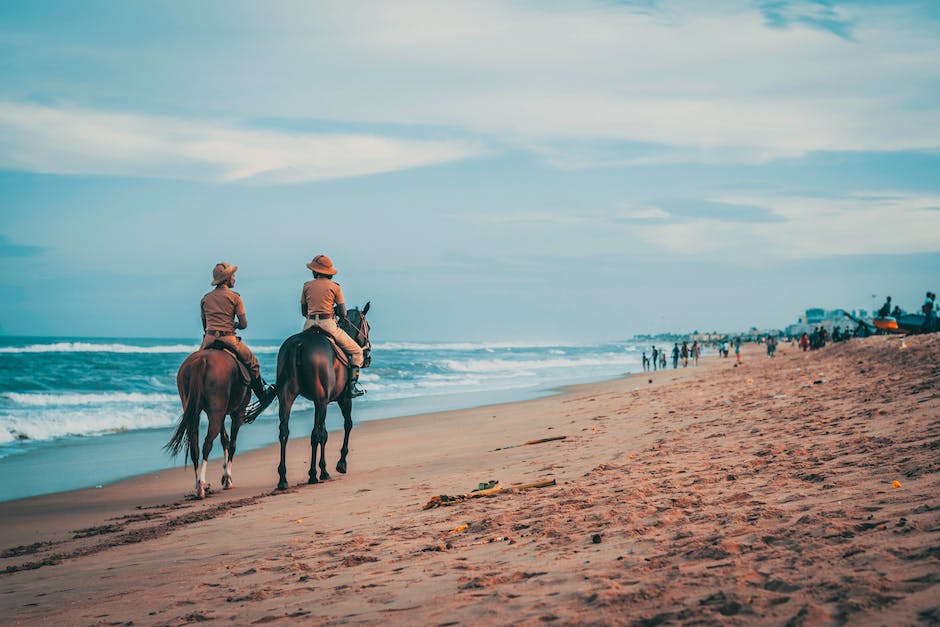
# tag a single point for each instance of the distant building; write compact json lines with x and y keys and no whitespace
{"x":828,"y":319}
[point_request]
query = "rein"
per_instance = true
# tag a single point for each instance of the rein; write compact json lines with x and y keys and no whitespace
{"x":362,"y":338}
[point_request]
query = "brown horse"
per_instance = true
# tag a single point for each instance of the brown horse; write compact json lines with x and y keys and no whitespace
{"x":209,"y":380}
{"x":307,"y":366}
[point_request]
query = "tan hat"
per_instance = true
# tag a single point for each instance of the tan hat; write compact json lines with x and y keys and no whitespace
{"x":321,"y":264}
{"x":222,"y":271}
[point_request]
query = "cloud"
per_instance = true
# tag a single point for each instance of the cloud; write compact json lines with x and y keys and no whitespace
{"x":814,"y":13}
{"x":645,"y":214}
{"x":723,"y":211}
{"x":805,"y":227}
{"x":682,"y":81}
{"x":65,"y":140}
{"x":583,"y":85}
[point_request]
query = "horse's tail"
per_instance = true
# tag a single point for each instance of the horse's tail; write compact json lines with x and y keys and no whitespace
{"x":188,"y":424}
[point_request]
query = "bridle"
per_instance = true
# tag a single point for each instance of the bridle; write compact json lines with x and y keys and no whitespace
{"x":362,"y":334}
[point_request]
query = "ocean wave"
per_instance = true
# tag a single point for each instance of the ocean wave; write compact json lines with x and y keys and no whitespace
{"x":49,"y":425}
{"x":91,"y":347}
{"x":459,"y":346}
{"x":509,"y":365}
{"x":78,"y":399}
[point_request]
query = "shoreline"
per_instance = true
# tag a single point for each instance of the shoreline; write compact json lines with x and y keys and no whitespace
{"x":72,"y":453}
{"x":89,"y":504}
{"x":712,"y":493}
{"x":127,"y":425}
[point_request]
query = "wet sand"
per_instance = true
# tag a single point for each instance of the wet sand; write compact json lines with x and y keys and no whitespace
{"x":798,"y":490}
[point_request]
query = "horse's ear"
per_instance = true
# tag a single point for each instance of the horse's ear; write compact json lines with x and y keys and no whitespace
{"x":365,"y":309}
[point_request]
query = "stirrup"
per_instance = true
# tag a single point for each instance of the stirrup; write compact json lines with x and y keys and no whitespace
{"x":353,"y":384}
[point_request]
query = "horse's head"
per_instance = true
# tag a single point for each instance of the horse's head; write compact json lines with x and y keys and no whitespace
{"x":359,"y":330}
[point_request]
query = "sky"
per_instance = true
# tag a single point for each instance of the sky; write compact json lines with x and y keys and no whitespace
{"x":531,"y":171}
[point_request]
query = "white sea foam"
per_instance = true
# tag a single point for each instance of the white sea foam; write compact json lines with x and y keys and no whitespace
{"x":43,"y":399}
{"x":411,"y":370}
{"x":508,"y":365}
{"x":458,"y":346}
{"x":90,"y":347}
{"x":45,"y":424}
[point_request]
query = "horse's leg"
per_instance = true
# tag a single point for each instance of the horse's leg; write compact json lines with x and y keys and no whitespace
{"x":230,"y":453}
{"x":345,"y":406}
{"x":226,"y":460}
{"x":318,"y":437}
{"x":194,"y":455}
{"x":284,"y":407}
{"x":216,"y":417}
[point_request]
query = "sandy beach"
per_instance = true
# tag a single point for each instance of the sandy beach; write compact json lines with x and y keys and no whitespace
{"x":798,"y":490}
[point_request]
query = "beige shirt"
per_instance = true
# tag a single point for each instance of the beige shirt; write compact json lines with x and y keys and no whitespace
{"x":219,"y":308}
{"x":321,"y":295}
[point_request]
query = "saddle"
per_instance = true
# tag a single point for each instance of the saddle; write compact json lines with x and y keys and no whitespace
{"x":340,"y":353}
{"x":242,"y":368}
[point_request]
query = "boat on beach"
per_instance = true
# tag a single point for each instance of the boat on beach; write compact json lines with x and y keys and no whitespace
{"x":904,"y":323}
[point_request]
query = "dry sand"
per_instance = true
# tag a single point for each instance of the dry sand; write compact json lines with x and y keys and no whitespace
{"x":759,"y":494}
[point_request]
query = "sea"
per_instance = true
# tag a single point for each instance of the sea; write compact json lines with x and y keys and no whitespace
{"x":85,"y":412}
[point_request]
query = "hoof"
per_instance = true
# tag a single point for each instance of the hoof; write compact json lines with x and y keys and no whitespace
{"x":341,"y":467}
{"x":227,"y":482}
{"x":313,"y":479}
{"x":201,"y":493}
{"x":282,"y":485}
{"x":324,"y":476}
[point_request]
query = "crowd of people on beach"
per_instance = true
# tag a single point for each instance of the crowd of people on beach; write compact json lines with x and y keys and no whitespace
{"x":818,"y":337}
{"x":657,"y":359}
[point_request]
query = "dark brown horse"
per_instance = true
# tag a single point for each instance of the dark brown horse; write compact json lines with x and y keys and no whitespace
{"x":209,"y":381}
{"x":307,"y":366}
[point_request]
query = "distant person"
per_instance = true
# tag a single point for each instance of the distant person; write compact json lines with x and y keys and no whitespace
{"x":896,"y":312}
{"x":662,"y":359}
{"x":737,"y":349}
{"x":646,"y":362}
{"x":804,"y":342}
{"x":321,"y":300}
{"x":885,"y":310}
{"x":675,"y":355}
{"x":930,"y":313}
{"x":223,"y":311}
{"x":696,"y":351}
{"x":684,"y":351}
{"x":655,"y":358}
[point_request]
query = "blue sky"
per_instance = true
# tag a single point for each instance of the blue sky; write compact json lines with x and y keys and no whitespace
{"x":512,"y":170}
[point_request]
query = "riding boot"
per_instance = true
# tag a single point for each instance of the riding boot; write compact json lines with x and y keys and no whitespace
{"x":262,"y":390}
{"x":354,"y":389}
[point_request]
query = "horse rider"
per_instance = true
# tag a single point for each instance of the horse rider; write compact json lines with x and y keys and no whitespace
{"x":320,"y":301}
{"x":222,"y":312}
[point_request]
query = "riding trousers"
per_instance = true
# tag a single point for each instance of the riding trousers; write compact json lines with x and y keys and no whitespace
{"x":244,"y":353}
{"x":349,"y":345}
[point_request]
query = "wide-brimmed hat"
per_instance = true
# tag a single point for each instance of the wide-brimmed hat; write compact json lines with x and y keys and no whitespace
{"x":222,"y":271}
{"x":321,"y":264}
